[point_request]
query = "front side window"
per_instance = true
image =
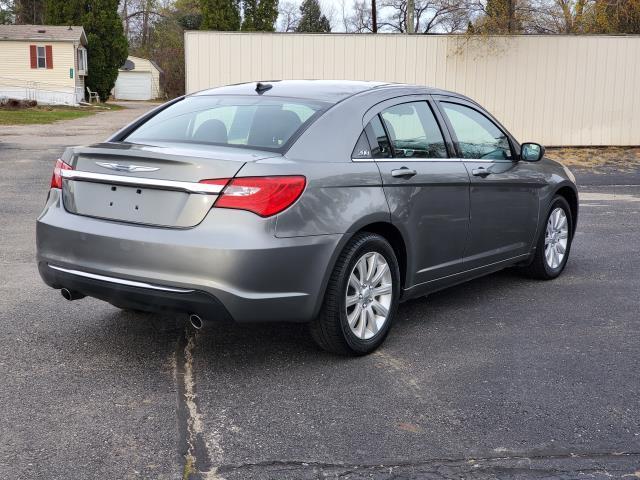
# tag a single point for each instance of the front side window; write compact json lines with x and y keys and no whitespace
{"x":414,"y":131}
{"x":478,"y":137}
{"x":42,"y":57}
{"x":251,"y":122}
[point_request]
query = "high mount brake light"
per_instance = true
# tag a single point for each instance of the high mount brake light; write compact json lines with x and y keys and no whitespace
{"x":56,"y":178}
{"x":264,"y":196}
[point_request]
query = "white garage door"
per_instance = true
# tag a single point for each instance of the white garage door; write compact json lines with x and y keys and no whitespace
{"x":133,"y":86}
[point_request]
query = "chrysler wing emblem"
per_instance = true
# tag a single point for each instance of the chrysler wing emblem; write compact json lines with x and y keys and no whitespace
{"x":126,"y":168}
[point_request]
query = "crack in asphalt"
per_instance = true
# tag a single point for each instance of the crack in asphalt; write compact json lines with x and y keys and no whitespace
{"x":426,"y":463}
{"x":192,"y":446}
{"x":202,"y":460}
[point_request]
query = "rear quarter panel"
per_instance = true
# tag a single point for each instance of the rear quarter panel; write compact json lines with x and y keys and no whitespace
{"x":341,"y":196}
{"x":338,"y":198}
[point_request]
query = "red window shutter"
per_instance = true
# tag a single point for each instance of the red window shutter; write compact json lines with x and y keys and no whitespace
{"x":49,"y":56}
{"x":34,"y":56}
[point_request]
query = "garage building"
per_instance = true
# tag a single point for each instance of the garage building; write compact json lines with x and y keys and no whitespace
{"x":138,"y":79}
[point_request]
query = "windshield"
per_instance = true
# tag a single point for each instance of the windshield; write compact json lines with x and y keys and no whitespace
{"x":252,"y":122}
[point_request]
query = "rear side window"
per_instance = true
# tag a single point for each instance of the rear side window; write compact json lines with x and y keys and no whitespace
{"x":251,"y":122}
{"x":414,"y":131}
{"x":362,"y":148}
{"x":378,"y":139}
{"x":478,"y":137}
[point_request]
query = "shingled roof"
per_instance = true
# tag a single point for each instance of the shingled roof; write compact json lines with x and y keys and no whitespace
{"x":51,"y":33}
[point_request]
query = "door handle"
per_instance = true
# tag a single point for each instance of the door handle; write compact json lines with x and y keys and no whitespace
{"x":480,"y":172}
{"x":403,"y":172}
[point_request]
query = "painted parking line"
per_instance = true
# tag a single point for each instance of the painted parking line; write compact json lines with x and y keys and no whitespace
{"x":609,"y":197}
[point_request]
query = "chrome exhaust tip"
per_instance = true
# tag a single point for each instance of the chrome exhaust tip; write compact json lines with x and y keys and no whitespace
{"x":71,"y":294}
{"x":195,"y":321}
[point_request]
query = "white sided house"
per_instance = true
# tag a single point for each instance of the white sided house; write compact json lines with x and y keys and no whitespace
{"x":138,"y":79}
{"x":45,"y":63}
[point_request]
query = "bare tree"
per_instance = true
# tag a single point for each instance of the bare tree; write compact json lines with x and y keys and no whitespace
{"x":560,"y":16}
{"x":360,"y":21}
{"x":138,"y":19}
{"x":330,"y":10}
{"x":288,"y":16}
{"x":344,"y":18}
{"x":429,"y":15}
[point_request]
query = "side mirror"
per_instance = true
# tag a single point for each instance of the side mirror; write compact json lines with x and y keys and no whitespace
{"x":531,"y":152}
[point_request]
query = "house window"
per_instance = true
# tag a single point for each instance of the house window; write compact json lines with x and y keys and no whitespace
{"x":42,"y":57}
{"x":82,"y":60}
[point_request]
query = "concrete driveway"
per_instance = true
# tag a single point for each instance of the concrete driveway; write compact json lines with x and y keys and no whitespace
{"x":80,"y":131}
{"x":502,"y":377}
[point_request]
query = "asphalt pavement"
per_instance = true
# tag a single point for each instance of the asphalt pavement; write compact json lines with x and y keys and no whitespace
{"x":502,"y":377}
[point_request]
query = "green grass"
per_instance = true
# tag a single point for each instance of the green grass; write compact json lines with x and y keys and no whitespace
{"x":48,"y":114}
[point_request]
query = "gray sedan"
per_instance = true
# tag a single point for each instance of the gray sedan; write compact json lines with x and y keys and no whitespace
{"x":303,"y":201}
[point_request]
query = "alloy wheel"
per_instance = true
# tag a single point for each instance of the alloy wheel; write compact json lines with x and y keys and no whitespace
{"x":556,"y":238}
{"x":368,"y":295}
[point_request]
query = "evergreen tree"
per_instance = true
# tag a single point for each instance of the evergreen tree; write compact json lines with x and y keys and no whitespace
{"x":312,"y":19}
{"x":186,"y":12}
{"x":260,"y":15}
{"x":6,"y":12}
{"x":107,"y":47}
{"x":221,"y":15}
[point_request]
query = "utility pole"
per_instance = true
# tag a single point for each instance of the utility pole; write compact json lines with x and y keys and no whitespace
{"x":512,"y":16}
{"x":409,"y":18}
{"x":374,"y":17}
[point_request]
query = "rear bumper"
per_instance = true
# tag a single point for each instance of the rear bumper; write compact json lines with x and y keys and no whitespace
{"x":137,"y":297}
{"x":232,"y":262}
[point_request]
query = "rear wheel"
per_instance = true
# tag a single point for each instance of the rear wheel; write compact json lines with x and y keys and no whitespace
{"x":361,"y":298}
{"x":554,"y":242}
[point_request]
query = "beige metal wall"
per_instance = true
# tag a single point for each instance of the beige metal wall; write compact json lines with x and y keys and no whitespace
{"x":558,"y":90}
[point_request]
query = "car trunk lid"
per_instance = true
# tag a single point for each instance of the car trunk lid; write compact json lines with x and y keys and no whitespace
{"x":149,"y":184}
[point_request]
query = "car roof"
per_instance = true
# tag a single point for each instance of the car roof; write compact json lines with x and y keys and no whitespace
{"x":332,"y":91}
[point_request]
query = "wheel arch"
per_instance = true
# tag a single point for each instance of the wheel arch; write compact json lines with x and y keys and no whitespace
{"x":391,"y":233}
{"x":571,"y":196}
{"x":386,"y":230}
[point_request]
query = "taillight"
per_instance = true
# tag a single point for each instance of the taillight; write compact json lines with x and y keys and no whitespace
{"x":56,"y":178}
{"x":264,"y":196}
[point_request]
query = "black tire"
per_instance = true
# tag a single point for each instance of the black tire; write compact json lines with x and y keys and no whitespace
{"x":330,"y":329}
{"x":539,"y":268}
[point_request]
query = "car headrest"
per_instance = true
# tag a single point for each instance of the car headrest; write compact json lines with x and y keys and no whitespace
{"x":272,"y":128}
{"x":212,"y":130}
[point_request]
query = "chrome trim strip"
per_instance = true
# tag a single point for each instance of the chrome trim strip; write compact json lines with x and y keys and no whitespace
{"x":190,"y":187}
{"x":120,"y":281}
{"x":407,"y":160}
{"x":429,"y":160}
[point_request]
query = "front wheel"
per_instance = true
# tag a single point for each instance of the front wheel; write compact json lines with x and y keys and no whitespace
{"x":361,"y":298}
{"x":554,"y":242}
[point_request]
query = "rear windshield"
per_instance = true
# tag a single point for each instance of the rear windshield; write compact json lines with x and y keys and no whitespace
{"x":251,"y":122}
